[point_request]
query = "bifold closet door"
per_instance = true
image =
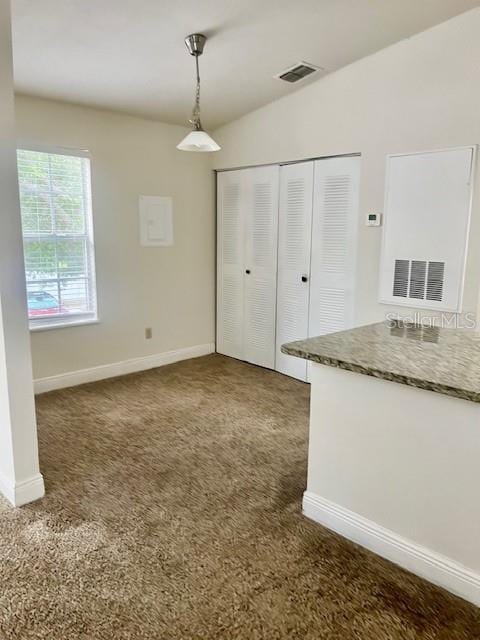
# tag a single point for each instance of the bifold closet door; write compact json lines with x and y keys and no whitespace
{"x":231,"y":200}
{"x":294,"y":240}
{"x":334,"y":239}
{"x":260,"y":266}
{"x":247,"y":206}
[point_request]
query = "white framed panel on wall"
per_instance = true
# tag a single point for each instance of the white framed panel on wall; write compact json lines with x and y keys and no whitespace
{"x":428,"y":198}
{"x":156,"y":221}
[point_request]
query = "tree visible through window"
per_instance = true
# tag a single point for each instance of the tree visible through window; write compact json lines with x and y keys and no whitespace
{"x":55,"y":201}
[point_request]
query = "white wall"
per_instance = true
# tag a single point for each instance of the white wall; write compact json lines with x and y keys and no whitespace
{"x":422,"y":93}
{"x":396,"y":469}
{"x":169,"y":289}
{"x":20,"y":479}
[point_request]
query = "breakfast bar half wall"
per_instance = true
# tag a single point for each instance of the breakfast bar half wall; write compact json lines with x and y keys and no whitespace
{"x":394,"y":450}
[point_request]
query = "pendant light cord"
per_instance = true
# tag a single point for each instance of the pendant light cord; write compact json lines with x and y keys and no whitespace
{"x":196,"y":109}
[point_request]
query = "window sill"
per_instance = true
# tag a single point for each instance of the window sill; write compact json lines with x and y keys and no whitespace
{"x":48,"y":326}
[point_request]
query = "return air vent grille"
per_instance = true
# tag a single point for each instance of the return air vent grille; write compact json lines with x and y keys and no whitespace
{"x":297,"y":72}
{"x":436,"y":271}
{"x":419,"y":280}
{"x":400,"y":278}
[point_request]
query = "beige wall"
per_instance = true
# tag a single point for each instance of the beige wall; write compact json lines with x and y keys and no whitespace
{"x":169,"y":289}
{"x":420,"y":94}
{"x":20,"y":480}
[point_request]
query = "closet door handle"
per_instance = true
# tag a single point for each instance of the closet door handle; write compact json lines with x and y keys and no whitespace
{"x":247,"y":271}
{"x":304,"y":279}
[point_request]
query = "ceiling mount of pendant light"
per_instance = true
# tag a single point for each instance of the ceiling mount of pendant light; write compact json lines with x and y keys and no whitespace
{"x":198,"y":139}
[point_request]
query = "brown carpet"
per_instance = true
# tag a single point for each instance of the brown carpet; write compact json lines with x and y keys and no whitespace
{"x":173,"y":512}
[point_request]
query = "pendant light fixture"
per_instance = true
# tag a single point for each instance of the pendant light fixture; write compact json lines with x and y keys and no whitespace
{"x":198,"y":139}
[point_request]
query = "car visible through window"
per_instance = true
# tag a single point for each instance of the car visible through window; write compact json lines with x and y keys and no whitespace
{"x":42,"y":303}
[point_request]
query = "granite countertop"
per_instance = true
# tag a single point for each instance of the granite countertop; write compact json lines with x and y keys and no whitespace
{"x":441,"y":360}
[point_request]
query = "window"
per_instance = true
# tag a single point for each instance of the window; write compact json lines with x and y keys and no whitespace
{"x":55,"y":201}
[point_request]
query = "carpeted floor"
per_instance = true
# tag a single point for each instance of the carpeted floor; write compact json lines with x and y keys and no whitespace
{"x":173,"y":512}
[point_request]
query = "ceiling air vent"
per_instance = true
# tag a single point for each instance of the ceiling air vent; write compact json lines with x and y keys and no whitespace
{"x":298,"y":72}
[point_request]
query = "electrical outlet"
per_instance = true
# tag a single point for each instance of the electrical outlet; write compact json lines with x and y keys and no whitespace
{"x":148,"y":333}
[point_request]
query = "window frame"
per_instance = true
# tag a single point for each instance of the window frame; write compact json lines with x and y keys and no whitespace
{"x":60,"y":321}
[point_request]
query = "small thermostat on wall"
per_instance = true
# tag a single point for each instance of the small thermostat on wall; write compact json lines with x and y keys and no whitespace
{"x":374,"y":219}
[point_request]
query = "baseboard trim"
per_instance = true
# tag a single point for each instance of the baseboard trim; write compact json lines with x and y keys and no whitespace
{"x":73,"y":378}
{"x":424,"y":562}
{"x":23,"y":492}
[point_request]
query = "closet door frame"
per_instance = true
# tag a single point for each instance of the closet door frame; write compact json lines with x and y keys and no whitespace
{"x":240,"y":351}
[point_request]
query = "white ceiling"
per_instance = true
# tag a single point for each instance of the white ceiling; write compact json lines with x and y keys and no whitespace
{"x":129,"y":55}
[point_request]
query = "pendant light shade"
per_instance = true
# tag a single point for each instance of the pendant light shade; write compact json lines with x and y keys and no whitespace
{"x":198,"y":139}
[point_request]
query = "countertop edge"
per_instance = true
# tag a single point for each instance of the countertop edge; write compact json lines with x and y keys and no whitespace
{"x":390,"y":376}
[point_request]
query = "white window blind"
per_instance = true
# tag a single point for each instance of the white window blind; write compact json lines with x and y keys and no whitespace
{"x":55,"y":200}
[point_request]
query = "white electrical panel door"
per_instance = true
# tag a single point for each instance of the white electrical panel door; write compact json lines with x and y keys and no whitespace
{"x":294,"y":239}
{"x":427,"y":214}
{"x":260,"y":264}
{"x":156,"y":221}
{"x":231,"y":188}
{"x":334,"y":240}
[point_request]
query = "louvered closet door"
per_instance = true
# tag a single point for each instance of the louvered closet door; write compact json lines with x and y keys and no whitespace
{"x":294,"y":237}
{"x":334,"y":239}
{"x":231,"y":193}
{"x":261,"y":265}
